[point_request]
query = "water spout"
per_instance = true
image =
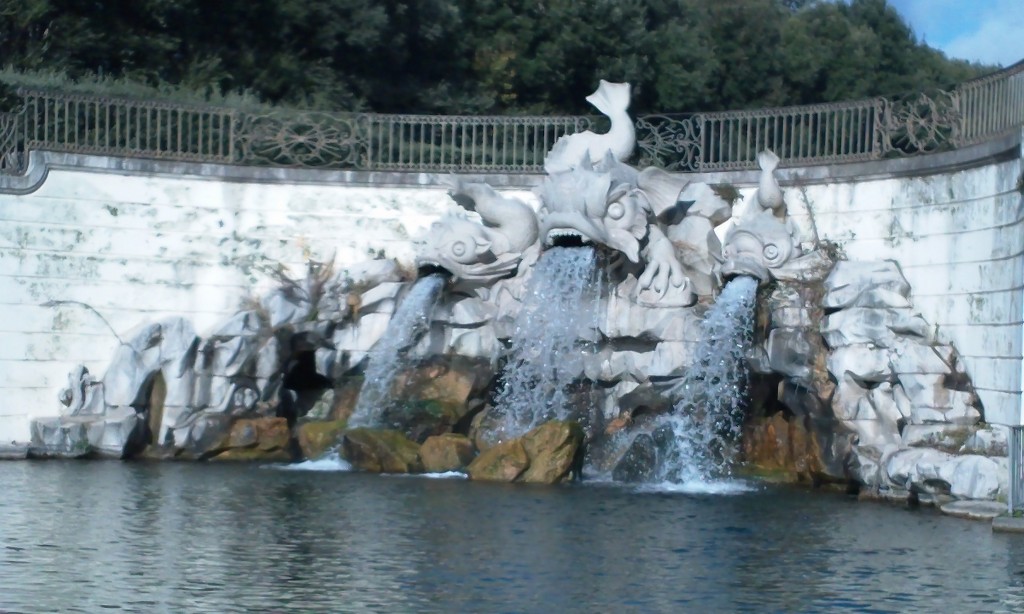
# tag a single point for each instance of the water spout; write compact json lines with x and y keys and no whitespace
{"x":389,"y":355}
{"x":696,"y":441}
{"x":545,"y":354}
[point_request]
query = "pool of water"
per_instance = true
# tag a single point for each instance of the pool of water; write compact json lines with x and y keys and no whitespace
{"x":95,"y":536}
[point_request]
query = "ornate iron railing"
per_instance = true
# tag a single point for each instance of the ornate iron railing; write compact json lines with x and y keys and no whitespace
{"x":869,"y":129}
{"x":124,"y":127}
{"x":12,"y":138}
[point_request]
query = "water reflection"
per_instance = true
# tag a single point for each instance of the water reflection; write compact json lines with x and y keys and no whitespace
{"x":81,"y":537}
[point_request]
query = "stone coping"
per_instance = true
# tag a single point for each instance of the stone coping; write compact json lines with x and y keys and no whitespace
{"x":1006,"y":147}
{"x":14,"y":451}
{"x":1008,"y":524}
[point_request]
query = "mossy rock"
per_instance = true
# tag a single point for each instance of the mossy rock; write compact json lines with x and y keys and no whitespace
{"x":446,"y":452}
{"x":317,"y":438}
{"x":500,"y":463}
{"x":345,"y":397}
{"x":208,"y":436}
{"x":381,"y":451}
{"x":275,"y":455}
{"x":420,"y":419}
{"x":263,"y":433}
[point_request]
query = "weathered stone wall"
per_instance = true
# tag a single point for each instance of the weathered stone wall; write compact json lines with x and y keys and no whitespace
{"x":140,"y":244}
{"x":137,"y":241}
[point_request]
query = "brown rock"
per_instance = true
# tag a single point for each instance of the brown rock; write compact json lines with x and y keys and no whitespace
{"x":345,"y":397}
{"x":243,"y":434}
{"x":276,"y":455}
{"x":620,"y":422}
{"x":501,"y":463}
{"x":551,"y":449}
{"x":484,"y":429}
{"x":449,"y":380}
{"x":271,"y":433}
{"x":316,"y":438}
{"x":381,"y":451}
{"x":207,"y":437}
{"x":781,"y":443}
{"x":258,"y":439}
{"x":446,"y":452}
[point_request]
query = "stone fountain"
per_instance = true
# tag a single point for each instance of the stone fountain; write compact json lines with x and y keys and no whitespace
{"x":837,"y":379}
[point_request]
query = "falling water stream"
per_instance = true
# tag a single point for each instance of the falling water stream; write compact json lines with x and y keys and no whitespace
{"x":545,"y":354}
{"x":695,"y":441}
{"x":388,"y":356}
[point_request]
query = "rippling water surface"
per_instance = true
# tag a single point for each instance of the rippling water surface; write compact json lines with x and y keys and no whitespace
{"x":96,"y":536}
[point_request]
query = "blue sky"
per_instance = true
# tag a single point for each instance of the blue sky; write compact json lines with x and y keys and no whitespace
{"x":989,"y":31}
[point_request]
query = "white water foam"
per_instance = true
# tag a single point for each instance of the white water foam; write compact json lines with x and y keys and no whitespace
{"x":387,"y":358}
{"x":331,"y":462}
{"x":444,"y":475}
{"x":545,"y":354}
{"x":698,"y":487}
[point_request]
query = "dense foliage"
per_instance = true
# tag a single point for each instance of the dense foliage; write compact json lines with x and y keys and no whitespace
{"x":481,"y":56}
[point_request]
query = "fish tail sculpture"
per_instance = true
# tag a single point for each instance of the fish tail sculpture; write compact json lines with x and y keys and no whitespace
{"x":611,"y":99}
{"x":769,"y":194}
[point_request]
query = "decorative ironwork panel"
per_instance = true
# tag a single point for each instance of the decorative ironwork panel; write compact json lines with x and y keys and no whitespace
{"x":670,"y":142}
{"x":303,"y":139}
{"x":12,"y":143}
{"x":921,"y":123}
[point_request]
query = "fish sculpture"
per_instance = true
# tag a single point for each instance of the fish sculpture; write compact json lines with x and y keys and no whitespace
{"x":759,"y":240}
{"x":479,"y":253}
{"x":591,"y":205}
{"x":604,"y":206}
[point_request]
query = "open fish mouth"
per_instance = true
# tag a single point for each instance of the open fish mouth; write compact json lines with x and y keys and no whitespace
{"x":427,"y":267}
{"x":566,"y":237}
{"x":744,"y":266}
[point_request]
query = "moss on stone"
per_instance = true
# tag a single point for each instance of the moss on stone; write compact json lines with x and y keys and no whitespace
{"x":317,"y":438}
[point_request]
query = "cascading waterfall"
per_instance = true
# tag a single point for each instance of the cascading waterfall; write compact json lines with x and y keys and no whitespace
{"x":545,"y":354}
{"x":410,"y":320}
{"x":694,"y":443}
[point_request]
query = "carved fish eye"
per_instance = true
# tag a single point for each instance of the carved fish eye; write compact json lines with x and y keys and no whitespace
{"x":616,"y":210}
{"x":771,"y":252}
{"x":459,"y":248}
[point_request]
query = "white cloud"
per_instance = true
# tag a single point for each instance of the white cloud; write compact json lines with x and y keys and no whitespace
{"x":989,"y":31}
{"x":997,"y":38}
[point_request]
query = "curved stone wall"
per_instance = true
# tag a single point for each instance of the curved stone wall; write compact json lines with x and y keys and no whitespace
{"x":959,"y":239}
{"x":125,"y":242}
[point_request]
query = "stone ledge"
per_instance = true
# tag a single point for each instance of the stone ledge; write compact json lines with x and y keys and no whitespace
{"x":973,"y":510}
{"x":1007,"y":524}
{"x":997,"y":149}
{"x":40,"y":163}
{"x":13,"y":451}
